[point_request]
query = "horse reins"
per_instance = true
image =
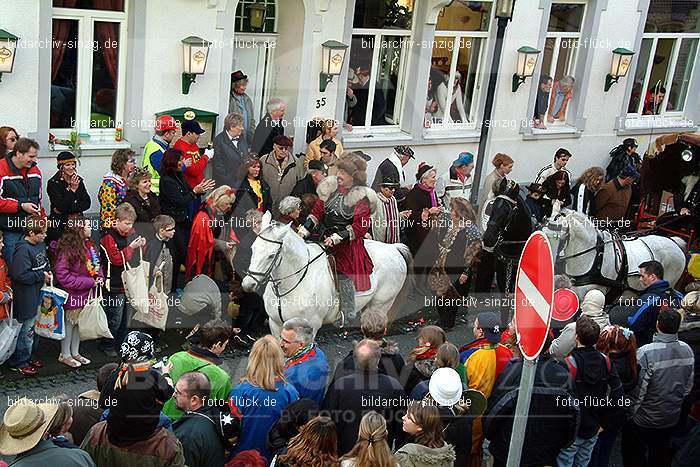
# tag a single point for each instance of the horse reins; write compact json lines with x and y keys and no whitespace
{"x":266,"y":277}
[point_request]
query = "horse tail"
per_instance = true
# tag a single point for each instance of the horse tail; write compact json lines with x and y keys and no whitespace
{"x":408,"y":283}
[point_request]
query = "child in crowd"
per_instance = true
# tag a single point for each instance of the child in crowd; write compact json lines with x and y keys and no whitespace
{"x":29,"y":271}
{"x":116,"y":247}
{"x":78,"y":271}
{"x":159,"y":255}
{"x":60,"y":425}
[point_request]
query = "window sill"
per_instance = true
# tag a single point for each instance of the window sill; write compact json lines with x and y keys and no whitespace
{"x":553,"y":132}
{"x":654,"y":125}
{"x":467,"y":135}
{"x":96,"y":146}
{"x":353,"y":140}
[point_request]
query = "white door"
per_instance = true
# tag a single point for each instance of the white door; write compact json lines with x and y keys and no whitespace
{"x":253,"y":54}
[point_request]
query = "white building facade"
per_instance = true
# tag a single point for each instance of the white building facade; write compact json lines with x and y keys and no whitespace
{"x":94,"y":65}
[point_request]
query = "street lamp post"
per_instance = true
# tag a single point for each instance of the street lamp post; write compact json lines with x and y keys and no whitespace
{"x":504,"y":13}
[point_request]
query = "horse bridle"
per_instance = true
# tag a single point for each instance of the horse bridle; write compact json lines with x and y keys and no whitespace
{"x":266,"y":277}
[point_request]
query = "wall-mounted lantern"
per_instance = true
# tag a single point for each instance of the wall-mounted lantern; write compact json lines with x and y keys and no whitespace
{"x":8,"y":46}
{"x":621,"y":60}
{"x":195,"y":52}
{"x":332,"y":62}
{"x":525,"y":68}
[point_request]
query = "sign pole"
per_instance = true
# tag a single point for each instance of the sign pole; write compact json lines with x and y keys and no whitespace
{"x":517,"y":437}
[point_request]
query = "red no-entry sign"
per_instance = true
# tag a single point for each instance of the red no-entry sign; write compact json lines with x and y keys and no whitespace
{"x":534,"y":294}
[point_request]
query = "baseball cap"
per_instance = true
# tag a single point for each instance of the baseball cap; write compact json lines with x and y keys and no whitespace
{"x":490,"y":324}
{"x":165,"y":123}
{"x":464,"y":158}
{"x":192,"y":126}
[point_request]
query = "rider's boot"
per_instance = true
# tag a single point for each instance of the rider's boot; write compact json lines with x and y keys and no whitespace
{"x":347,"y":298}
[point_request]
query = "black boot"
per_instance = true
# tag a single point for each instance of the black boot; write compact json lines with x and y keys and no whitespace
{"x":347,"y":299}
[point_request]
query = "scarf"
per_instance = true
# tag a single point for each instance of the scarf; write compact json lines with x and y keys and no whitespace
{"x":297,"y":354}
{"x":431,"y":191}
{"x":424,"y":352}
{"x":92,"y":259}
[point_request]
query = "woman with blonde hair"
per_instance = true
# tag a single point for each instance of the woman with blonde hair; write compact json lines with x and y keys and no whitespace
{"x":315,"y":445}
{"x":371,"y":448}
{"x":329,"y":130}
{"x":422,"y":357}
{"x":261,"y":396}
{"x":428,"y":447}
{"x":212,"y":237}
{"x":585,"y":189}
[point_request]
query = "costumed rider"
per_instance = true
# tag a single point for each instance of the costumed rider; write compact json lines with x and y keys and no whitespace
{"x":343,"y":212}
{"x":508,"y":228}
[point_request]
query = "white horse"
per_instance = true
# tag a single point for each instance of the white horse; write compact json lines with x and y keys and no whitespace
{"x":593,"y":258}
{"x":299,"y":282}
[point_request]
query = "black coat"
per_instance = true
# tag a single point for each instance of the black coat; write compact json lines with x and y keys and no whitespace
{"x":247,"y":199}
{"x":265,"y":134}
{"x":350,"y":397}
{"x":146,"y":209}
{"x":64,"y":203}
{"x":391,"y":363}
{"x":421,"y":236}
{"x":228,"y":158}
{"x":620,"y":160}
{"x":457,"y":431}
{"x":360,"y":109}
{"x":690,"y":334}
{"x":588,"y":197}
{"x":175,"y":195}
{"x":304,"y":186}
{"x":204,"y":435}
{"x":551,"y":426}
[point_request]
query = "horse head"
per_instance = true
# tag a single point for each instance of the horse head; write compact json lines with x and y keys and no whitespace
{"x":266,"y":253}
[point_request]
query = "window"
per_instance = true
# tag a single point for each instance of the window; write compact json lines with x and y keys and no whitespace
{"x":243,"y":16}
{"x":378,"y":56}
{"x":556,"y":80}
{"x":87,"y":83}
{"x":666,"y":58}
{"x":456,"y":64}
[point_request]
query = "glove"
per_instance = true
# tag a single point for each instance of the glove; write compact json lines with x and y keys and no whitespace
{"x":336,"y":238}
{"x":303,"y":232}
{"x":209,"y":153}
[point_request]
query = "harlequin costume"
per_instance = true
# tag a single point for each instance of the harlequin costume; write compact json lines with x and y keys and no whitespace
{"x":345,"y":216}
{"x":112,"y":193}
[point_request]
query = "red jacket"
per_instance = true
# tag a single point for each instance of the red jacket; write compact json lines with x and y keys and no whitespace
{"x":194,"y":174}
{"x":17,"y":186}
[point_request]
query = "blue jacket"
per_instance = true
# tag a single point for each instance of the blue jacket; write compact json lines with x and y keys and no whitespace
{"x":308,"y":373}
{"x":258,"y":410}
{"x":29,"y":263}
{"x":643,"y":320}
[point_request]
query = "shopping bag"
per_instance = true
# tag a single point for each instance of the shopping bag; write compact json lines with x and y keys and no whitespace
{"x":135,"y":280}
{"x":9,"y":331}
{"x":157,"y":314}
{"x":92,"y":320}
{"x":51,"y":314}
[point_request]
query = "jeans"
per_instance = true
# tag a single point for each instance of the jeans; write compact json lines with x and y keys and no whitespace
{"x":25,"y":344}
{"x":646,"y":446}
{"x":10,"y":239}
{"x":70,"y":345}
{"x":115,"y":308}
{"x":578,"y":454}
